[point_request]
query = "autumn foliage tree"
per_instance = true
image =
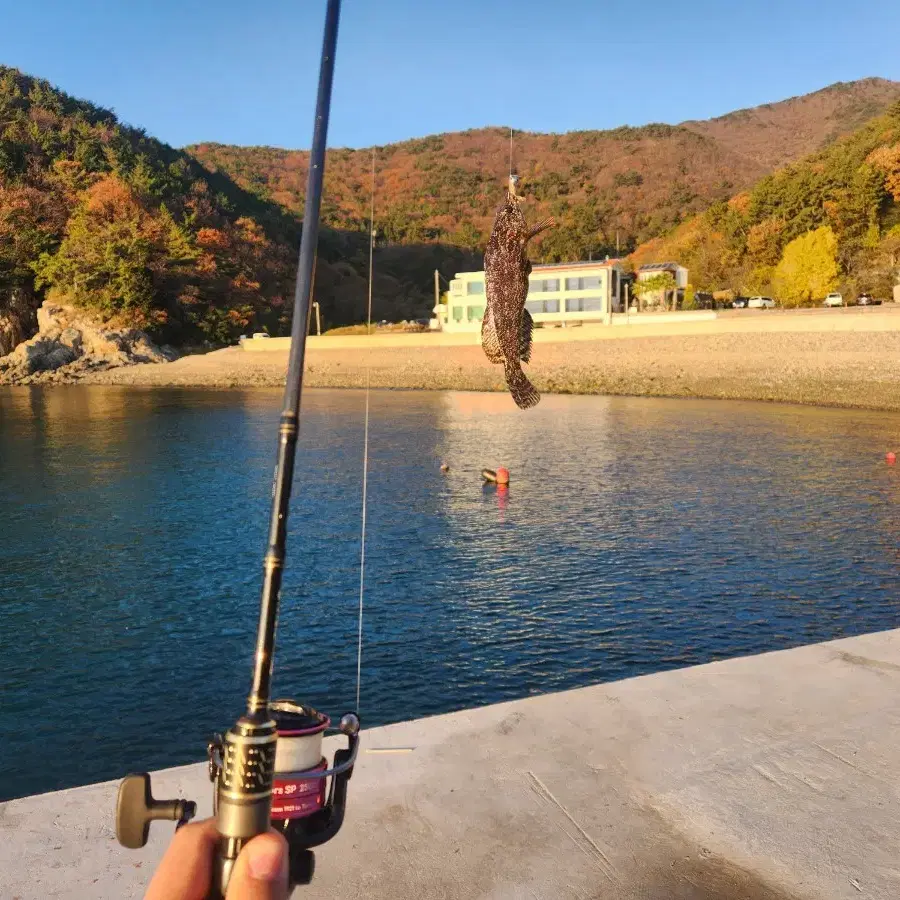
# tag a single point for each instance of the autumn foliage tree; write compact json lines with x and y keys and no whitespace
{"x":119,"y":256}
{"x":30,"y":221}
{"x":887,"y":161}
{"x":238,"y":260}
{"x":808,"y":269}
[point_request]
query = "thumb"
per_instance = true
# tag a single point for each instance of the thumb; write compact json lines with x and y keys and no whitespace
{"x":261,"y":870}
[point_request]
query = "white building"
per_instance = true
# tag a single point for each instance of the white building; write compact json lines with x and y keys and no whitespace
{"x":558,"y":293}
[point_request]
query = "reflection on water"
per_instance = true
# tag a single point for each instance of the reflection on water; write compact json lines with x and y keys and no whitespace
{"x":637,"y":535}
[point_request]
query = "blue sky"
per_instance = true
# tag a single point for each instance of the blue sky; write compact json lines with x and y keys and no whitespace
{"x":246,"y":73}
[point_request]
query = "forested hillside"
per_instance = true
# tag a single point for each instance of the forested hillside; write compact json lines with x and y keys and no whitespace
{"x":199,"y":245}
{"x":99,"y":214}
{"x":831,"y":220}
{"x":626,"y":185}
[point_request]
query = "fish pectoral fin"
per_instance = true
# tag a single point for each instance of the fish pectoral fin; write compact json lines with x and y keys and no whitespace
{"x":526,"y":333}
{"x":490,"y":343}
{"x":543,"y":225}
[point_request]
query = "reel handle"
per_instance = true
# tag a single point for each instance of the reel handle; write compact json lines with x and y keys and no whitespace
{"x":136,"y":809}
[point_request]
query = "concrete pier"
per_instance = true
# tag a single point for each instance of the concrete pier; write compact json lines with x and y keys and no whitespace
{"x":764,"y":778}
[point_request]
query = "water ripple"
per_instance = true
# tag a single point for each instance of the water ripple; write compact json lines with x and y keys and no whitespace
{"x":637,"y":536}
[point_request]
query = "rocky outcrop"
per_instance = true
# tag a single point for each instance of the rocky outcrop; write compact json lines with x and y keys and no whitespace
{"x":69,"y":344}
{"x":18,"y":321}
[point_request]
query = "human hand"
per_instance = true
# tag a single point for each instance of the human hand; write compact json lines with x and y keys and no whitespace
{"x":185,"y":873}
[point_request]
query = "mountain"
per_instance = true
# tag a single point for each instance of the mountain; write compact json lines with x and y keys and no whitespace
{"x":100,"y":215}
{"x":829,"y":220}
{"x":199,"y":245}
{"x":630,"y":184}
{"x":776,"y":134}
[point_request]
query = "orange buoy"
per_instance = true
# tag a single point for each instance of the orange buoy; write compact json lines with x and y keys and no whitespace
{"x":502,"y":475}
{"x":890,"y":458}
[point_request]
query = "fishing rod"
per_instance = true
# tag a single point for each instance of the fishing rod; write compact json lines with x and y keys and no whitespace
{"x":268,"y":769}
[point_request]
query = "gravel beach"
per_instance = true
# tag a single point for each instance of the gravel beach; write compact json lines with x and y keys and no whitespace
{"x":844,"y":368}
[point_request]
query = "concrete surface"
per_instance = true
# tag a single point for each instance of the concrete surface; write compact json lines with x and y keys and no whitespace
{"x":764,"y":778}
{"x":697,"y":322}
{"x":575,"y":331}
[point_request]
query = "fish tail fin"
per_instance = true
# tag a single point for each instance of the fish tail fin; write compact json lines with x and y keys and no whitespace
{"x":523,"y":391}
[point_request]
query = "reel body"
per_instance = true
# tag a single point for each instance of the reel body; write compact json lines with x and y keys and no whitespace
{"x":268,"y":771}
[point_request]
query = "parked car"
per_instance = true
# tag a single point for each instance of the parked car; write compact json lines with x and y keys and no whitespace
{"x":834,"y":299}
{"x":740,"y":302}
{"x":867,"y":300}
{"x":760,"y":303}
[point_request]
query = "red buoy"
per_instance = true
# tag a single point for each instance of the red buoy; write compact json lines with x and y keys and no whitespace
{"x":890,"y":458}
{"x":502,"y":475}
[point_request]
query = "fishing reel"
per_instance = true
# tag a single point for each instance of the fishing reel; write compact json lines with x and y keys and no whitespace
{"x":269,"y":771}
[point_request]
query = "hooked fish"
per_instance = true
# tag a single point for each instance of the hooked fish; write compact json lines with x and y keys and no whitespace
{"x":506,"y":329}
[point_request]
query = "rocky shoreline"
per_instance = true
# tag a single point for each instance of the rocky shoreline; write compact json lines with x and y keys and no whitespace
{"x":68,"y":346}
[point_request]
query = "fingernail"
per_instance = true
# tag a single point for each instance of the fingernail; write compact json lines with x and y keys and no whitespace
{"x":266,"y":860}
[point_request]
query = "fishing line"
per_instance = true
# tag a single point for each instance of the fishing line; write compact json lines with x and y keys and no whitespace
{"x":365,"y":480}
{"x":510,"y":151}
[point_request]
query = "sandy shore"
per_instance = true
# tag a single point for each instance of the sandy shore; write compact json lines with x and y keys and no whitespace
{"x":859,"y":368}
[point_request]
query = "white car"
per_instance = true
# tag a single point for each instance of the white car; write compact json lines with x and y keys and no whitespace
{"x":760,"y":303}
{"x":834,"y":299}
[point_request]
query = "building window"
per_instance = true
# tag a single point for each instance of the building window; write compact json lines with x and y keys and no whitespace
{"x":585,"y":283}
{"x":457,"y":313}
{"x":584,"y":304}
{"x":456,"y":287}
{"x":543,"y":285}
{"x":475,"y":313}
{"x":474,"y":287}
{"x":542,"y":306}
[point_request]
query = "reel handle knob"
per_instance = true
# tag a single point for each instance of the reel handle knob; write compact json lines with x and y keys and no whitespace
{"x":136,"y":809}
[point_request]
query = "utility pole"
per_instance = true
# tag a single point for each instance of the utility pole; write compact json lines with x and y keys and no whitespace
{"x":437,"y":290}
{"x":617,"y":242}
{"x":371,"y":253}
{"x":312,"y":300}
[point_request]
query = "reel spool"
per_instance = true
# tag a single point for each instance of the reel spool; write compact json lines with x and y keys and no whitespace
{"x":305,"y":806}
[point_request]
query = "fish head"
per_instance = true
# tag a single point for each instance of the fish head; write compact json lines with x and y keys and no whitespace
{"x":510,"y":222}
{"x":512,"y":192}
{"x":510,"y":218}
